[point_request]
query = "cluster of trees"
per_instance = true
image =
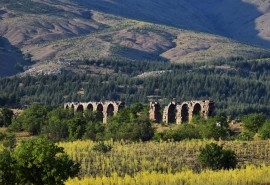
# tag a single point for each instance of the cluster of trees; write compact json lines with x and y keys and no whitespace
{"x":62,"y":124}
{"x":214,"y":157}
{"x":255,"y":123}
{"x":242,"y":88}
{"x":216,"y":127}
{"x":36,"y":161}
{"x":129,"y":124}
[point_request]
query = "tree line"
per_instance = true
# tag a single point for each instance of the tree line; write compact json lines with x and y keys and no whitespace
{"x":237,"y":86}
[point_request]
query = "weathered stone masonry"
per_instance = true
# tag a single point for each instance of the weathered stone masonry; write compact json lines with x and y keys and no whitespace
{"x":181,"y":112}
{"x":173,"y":113}
{"x":108,"y":108}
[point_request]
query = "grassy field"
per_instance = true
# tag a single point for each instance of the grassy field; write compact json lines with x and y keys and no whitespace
{"x":250,"y":175}
{"x":175,"y":160}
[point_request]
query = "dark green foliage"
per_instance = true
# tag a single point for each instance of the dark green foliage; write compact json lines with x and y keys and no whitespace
{"x":186,"y":131}
{"x":246,"y":136}
{"x":215,"y":128}
{"x":94,"y":131}
{"x":225,"y":87}
{"x":32,"y":119}
{"x":131,"y":124}
{"x":9,"y":141}
{"x":76,"y":127}
{"x":264,"y":131}
{"x":253,"y":122}
{"x":215,"y":157}
{"x":56,"y":128}
{"x":6,"y":116}
{"x":7,"y":168}
{"x":183,"y":82}
{"x":102,"y":147}
{"x":41,"y":162}
{"x":36,"y":161}
{"x":2,"y":136}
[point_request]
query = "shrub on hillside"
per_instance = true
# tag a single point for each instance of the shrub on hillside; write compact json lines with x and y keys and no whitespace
{"x":186,"y":131}
{"x":253,"y":122}
{"x":214,"y":128}
{"x":215,"y":157}
{"x":265,"y":130}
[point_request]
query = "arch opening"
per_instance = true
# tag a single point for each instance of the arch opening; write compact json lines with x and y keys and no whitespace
{"x":157,"y":113}
{"x":197,"y":110}
{"x":110,"y":110}
{"x":67,"y":107}
{"x":80,"y":108}
{"x":90,"y":107}
{"x":211,"y":109}
{"x":100,"y":112}
{"x":100,"y":108}
{"x":172,"y":113}
{"x":184,"y":113}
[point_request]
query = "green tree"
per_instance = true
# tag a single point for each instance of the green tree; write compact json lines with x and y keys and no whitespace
{"x":7,"y":168}
{"x":41,"y":162}
{"x":215,"y":157}
{"x":215,"y":127}
{"x":94,"y":131}
{"x":264,"y":131}
{"x":253,"y":122}
{"x":186,"y":131}
{"x":76,"y":127}
{"x":6,"y":116}
{"x":131,"y":124}
{"x":31,"y":119}
{"x":56,"y":128}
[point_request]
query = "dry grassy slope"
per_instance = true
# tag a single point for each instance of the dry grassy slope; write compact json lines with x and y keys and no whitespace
{"x":112,"y":29}
{"x":242,"y":20}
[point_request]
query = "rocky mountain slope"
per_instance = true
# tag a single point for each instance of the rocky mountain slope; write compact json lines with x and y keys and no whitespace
{"x":54,"y":34}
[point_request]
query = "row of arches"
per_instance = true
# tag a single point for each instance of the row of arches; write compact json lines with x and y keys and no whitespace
{"x":181,"y":113}
{"x":107,"y":108}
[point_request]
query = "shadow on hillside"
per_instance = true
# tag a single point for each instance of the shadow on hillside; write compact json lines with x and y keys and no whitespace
{"x":231,"y":18}
{"x":234,"y":19}
{"x":12,"y":61}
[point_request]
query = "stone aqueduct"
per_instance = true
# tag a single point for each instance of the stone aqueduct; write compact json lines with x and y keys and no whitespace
{"x":173,"y":112}
{"x":108,"y":108}
{"x":181,"y":112}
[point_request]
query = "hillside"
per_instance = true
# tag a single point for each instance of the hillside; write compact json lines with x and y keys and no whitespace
{"x":55,"y":33}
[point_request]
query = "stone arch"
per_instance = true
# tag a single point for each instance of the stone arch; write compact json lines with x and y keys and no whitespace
{"x":67,"y":106}
{"x":211,"y":108}
{"x":100,"y":113}
{"x":79,"y":108}
{"x":100,"y":107}
{"x":110,"y":110}
{"x":90,"y":107}
{"x":184,"y":113}
{"x":197,"y":108}
{"x":72,"y":106}
{"x":172,"y":113}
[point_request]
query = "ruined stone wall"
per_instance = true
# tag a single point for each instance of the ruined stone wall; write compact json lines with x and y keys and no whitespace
{"x":108,"y":108}
{"x":173,"y":113}
{"x":182,"y":112}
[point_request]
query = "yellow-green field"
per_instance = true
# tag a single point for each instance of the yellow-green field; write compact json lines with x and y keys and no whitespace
{"x":167,"y":163}
{"x":250,"y":175}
